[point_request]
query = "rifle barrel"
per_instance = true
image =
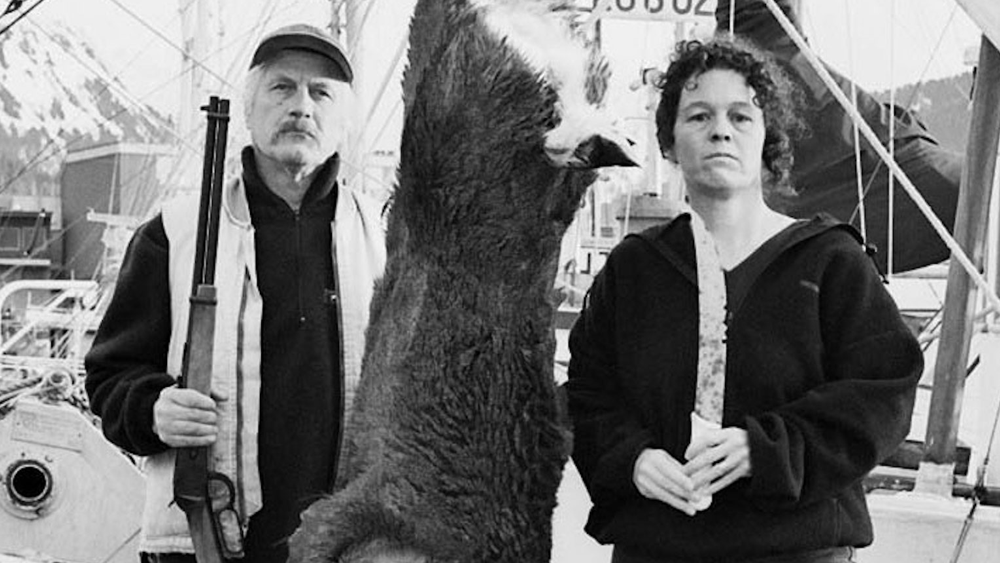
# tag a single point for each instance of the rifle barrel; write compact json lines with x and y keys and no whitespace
{"x":206,"y":194}
{"x":221,"y":119}
{"x":193,"y":465}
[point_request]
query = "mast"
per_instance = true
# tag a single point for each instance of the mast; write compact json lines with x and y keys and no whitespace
{"x":971,"y":221}
{"x":194,"y":32}
{"x":197,"y":39}
{"x":355,"y":12}
{"x":336,"y":21}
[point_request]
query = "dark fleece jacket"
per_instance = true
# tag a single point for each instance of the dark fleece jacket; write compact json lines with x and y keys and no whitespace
{"x":821,"y":372}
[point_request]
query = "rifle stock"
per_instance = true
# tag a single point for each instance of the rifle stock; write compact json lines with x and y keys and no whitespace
{"x":193,"y":466}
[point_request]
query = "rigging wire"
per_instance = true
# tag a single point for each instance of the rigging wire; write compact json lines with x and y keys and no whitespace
{"x":351,"y":161}
{"x":913,"y":95}
{"x":112,"y":83}
{"x":175,"y":46}
{"x":360,"y":171}
{"x":91,"y":238}
{"x":107,"y":82}
{"x":385,"y":124}
{"x":140,"y":53}
{"x":249,"y":38}
{"x":107,"y":85}
{"x":396,"y":60}
{"x":64,"y":232}
{"x":168,"y":127}
{"x":8,"y":274}
{"x":38,"y":158}
{"x":12,"y":6}
{"x":890,"y":222}
{"x":181,"y":163}
{"x":20,"y":16}
{"x":979,"y":490}
{"x":927,"y":66}
{"x":918,"y":199}
{"x":26,"y":167}
{"x":858,"y":170}
{"x":359,"y":167}
{"x":136,"y":203}
{"x":353,"y":41}
{"x":252,"y":36}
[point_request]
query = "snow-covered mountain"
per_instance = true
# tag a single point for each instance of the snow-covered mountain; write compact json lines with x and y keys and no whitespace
{"x":55,"y":95}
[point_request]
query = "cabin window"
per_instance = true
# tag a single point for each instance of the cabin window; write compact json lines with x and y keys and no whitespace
{"x":10,"y":239}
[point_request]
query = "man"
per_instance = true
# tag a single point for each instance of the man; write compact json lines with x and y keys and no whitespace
{"x":297,"y":258}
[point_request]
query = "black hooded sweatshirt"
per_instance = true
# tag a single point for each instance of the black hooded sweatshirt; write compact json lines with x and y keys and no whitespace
{"x":821,"y":372}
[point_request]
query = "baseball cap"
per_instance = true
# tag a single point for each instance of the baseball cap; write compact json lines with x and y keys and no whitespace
{"x":305,"y":37}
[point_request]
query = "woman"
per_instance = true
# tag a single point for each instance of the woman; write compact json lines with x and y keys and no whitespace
{"x":814,"y":369}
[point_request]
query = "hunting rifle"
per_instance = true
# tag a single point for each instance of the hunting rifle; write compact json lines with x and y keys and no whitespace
{"x":207,"y":497}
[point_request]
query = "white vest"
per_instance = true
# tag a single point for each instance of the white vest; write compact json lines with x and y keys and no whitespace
{"x":358,"y":257}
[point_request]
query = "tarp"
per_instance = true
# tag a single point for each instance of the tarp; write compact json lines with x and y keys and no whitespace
{"x":986,"y":14}
{"x":825,"y":169}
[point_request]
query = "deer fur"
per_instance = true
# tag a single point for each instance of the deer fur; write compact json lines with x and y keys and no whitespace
{"x":456,"y":443}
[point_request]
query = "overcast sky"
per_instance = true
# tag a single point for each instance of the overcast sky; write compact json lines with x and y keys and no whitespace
{"x":854,"y":35}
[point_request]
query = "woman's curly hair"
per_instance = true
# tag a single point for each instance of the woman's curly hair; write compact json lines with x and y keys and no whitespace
{"x":776,"y":95}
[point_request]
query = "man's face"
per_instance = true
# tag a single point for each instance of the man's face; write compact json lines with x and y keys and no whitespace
{"x":297,"y":114}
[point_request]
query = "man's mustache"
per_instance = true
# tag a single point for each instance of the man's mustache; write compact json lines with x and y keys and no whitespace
{"x":297,"y":127}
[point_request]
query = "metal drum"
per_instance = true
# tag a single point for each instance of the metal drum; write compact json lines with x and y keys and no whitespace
{"x":65,"y":492}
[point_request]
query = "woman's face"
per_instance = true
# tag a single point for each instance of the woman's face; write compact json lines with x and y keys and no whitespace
{"x":719,"y":134}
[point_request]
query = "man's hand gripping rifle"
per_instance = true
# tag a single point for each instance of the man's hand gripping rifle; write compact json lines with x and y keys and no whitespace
{"x":206,"y":497}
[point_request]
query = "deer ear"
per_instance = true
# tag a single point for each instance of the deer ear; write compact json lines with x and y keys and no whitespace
{"x":599,"y":151}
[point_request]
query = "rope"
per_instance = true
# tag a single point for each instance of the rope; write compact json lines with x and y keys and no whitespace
{"x":913,"y":96}
{"x":52,"y":385}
